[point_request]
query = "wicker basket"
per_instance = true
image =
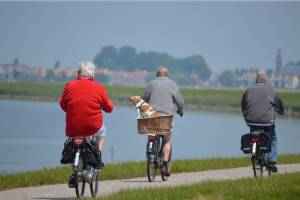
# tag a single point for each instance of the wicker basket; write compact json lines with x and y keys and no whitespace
{"x":159,"y":125}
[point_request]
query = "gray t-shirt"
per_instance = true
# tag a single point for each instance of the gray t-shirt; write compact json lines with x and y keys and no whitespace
{"x":163,"y":94}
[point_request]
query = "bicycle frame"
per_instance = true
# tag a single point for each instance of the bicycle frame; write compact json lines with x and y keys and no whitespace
{"x":78,"y":146}
{"x":258,"y":158}
{"x":81,"y":172}
{"x":254,"y":139}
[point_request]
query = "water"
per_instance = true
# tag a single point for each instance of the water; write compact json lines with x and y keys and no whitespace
{"x":32,"y":135}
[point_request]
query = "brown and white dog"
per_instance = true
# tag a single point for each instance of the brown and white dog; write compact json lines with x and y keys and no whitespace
{"x":143,"y":108}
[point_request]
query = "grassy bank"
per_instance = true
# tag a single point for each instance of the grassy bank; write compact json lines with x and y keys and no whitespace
{"x":127,"y":170}
{"x":212,"y":99}
{"x":283,"y":187}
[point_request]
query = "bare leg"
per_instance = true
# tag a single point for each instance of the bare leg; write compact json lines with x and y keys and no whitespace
{"x":101,"y":143}
{"x":166,"y":150}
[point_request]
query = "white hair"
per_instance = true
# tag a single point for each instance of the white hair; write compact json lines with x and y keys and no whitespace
{"x":261,"y":77}
{"x":162,"y":71}
{"x":86,"y":69}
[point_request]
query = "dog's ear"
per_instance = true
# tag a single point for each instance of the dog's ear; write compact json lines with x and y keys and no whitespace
{"x":131,"y":99}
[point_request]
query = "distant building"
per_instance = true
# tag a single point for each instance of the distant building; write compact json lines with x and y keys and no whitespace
{"x":285,"y":76}
{"x":278,"y":67}
{"x":133,"y":78}
{"x":290,"y":75}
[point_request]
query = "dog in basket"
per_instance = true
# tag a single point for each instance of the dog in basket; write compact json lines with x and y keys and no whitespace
{"x":143,"y":108}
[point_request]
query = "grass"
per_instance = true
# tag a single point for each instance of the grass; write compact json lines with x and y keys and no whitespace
{"x":196,"y":97}
{"x":277,"y":187}
{"x":127,"y":170}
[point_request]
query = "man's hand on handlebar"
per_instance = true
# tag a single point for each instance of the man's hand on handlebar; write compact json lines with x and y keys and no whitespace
{"x":180,"y":112}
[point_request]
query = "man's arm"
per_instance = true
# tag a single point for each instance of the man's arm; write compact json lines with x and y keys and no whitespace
{"x":278,"y":105}
{"x":243,"y":102}
{"x":147,"y":94}
{"x":178,"y":99}
{"x":63,"y":101}
{"x":106,"y":102}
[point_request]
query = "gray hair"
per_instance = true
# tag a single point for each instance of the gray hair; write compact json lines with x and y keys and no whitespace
{"x":261,"y":77}
{"x":162,"y":71}
{"x":86,"y":69}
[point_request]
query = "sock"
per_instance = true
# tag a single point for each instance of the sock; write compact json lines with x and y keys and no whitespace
{"x":165,"y":163}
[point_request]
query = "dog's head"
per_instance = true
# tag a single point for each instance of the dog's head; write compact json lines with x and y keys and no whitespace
{"x":135,"y":99}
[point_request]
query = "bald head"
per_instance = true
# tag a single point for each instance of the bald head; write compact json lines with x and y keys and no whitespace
{"x":261,"y":77}
{"x":162,"y":71}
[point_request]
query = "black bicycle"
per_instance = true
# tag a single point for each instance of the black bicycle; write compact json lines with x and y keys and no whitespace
{"x":154,"y":157}
{"x":259,"y":147}
{"x":83,"y":173}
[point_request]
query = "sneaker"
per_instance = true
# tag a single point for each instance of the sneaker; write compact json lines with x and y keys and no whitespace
{"x":100,"y":164}
{"x":272,"y":166}
{"x":165,"y":169}
{"x":72,"y":181}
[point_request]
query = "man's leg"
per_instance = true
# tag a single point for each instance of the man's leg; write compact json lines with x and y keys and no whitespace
{"x":100,"y":138}
{"x":272,"y":156}
{"x":101,"y":143}
{"x":166,"y":153}
{"x":166,"y":150}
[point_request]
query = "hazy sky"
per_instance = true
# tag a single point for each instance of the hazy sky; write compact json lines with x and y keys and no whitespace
{"x":227,"y":34}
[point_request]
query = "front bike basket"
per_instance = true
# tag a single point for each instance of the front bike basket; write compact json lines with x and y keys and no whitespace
{"x":157,"y":125}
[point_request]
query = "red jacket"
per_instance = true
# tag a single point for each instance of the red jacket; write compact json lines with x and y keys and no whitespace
{"x":83,"y":100}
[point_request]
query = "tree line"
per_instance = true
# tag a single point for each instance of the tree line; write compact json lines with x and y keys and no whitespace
{"x":127,"y":58}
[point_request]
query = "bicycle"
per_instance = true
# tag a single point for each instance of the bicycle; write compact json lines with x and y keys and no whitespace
{"x":154,"y":128}
{"x":154,"y":157}
{"x":258,"y":153}
{"x":82,"y":172}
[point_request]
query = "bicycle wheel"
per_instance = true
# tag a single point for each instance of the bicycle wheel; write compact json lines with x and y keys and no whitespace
{"x":80,"y":182}
{"x":163,"y":177}
{"x":152,"y":161}
{"x":257,"y":166}
{"x":267,"y":167}
{"x":269,"y":171}
{"x":94,"y":183}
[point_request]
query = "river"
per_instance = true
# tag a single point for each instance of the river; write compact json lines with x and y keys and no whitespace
{"x":32,"y":135}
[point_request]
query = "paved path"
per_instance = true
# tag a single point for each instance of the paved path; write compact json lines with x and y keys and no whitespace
{"x":62,"y":192}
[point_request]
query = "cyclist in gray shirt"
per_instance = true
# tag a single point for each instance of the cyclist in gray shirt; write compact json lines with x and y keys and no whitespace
{"x":163,"y":94}
{"x":259,"y":105}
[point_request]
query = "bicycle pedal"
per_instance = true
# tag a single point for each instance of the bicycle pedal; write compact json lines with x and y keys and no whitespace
{"x":72,"y":182}
{"x":274,"y":169}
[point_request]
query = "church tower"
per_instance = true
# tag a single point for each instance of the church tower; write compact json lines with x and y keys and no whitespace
{"x":278,"y":67}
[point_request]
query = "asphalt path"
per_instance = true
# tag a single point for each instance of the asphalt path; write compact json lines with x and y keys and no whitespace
{"x":62,"y":192}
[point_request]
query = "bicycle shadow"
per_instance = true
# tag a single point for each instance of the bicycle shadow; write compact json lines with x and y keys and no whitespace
{"x":141,"y":181}
{"x":55,"y":198}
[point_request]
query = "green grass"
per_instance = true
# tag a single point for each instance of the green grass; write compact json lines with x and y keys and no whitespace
{"x":127,"y":170}
{"x":283,"y":187}
{"x":196,"y":97}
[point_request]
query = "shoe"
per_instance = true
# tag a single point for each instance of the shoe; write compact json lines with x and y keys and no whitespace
{"x":272,"y":166}
{"x":72,"y":181}
{"x":165,"y":170}
{"x":100,"y":164}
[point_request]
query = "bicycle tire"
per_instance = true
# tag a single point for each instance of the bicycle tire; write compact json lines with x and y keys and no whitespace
{"x":256,"y":166}
{"x":80,"y":182}
{"x":267,"y":168}
{"x":163,"y":177}
{"x":152,"y":161}
{"x":269,"y":172}
{"x":94,"y":183}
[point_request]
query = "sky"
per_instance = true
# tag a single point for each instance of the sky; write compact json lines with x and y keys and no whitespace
{"x":227,"y":34}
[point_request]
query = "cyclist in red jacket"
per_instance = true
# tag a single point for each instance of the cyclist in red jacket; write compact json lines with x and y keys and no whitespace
{"x":82,"y":100}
